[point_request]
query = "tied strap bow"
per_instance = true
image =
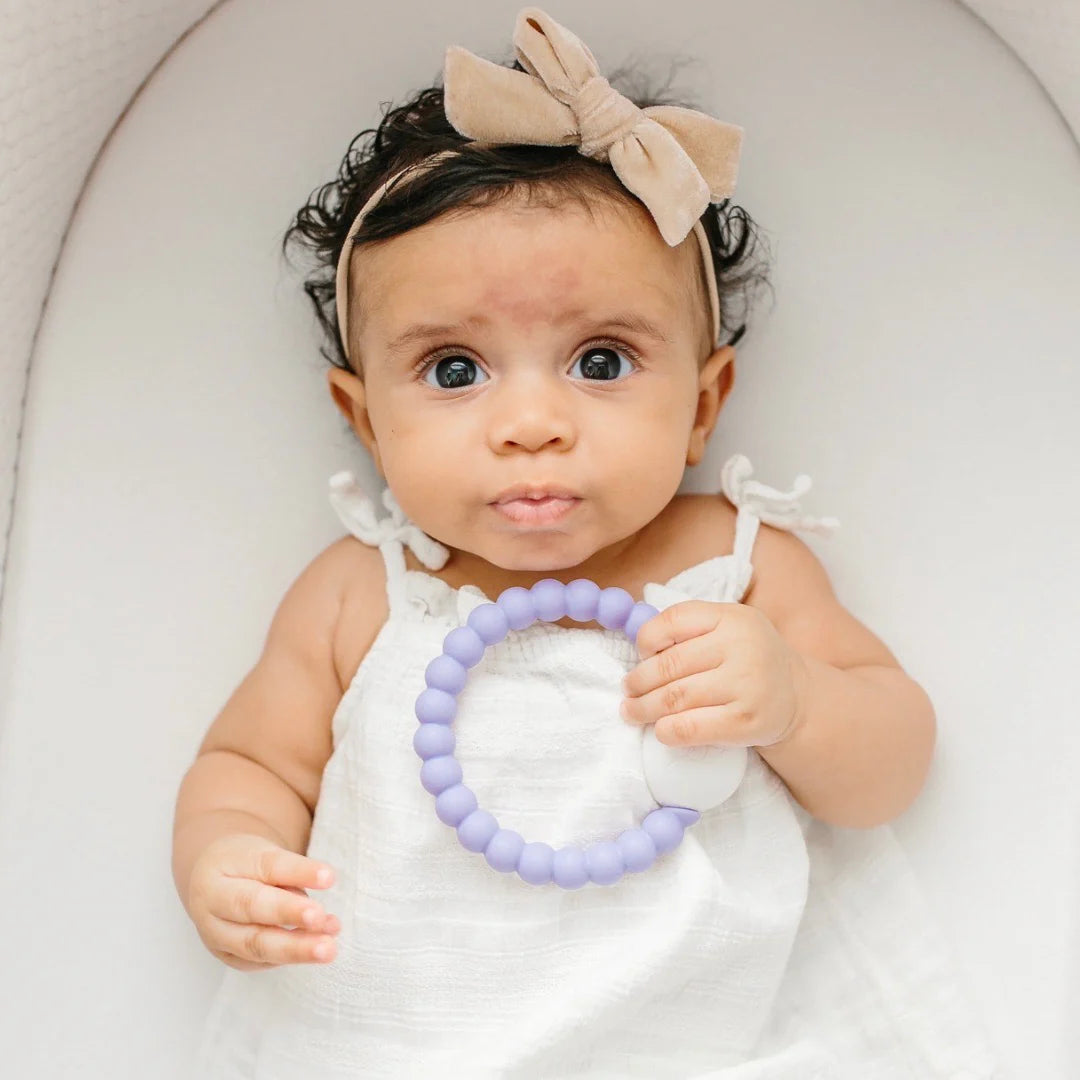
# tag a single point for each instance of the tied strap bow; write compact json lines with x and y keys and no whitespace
{"x":357,"y":510}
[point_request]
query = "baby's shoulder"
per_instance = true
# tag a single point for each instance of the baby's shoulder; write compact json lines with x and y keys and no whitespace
{"x":791,"y":587}
{"x":364,"y":604}
{"x":782,"y":564}
{"x":787,"y":576}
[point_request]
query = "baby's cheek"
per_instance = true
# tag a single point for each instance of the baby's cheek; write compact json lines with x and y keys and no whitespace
{"x":652,"y":457}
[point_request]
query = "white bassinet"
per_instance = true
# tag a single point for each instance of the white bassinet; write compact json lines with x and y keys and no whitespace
{"x":166,"y":434}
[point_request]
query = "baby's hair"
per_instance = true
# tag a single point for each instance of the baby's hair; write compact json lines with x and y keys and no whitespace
{"x":483,"y":175}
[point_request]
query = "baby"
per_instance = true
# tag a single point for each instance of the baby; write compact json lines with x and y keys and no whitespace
{"x":531,"y":311}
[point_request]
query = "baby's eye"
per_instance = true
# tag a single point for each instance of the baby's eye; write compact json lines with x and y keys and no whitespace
{"x":455,"y":371}
{"x":600,"y":363}
{"x":451,"y":372}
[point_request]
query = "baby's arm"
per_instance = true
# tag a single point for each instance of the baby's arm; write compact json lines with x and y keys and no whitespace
{"x":257,"y":775}
{"x":863,"y":749}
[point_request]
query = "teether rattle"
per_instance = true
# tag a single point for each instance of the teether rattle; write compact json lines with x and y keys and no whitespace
{"x":602,"y":863}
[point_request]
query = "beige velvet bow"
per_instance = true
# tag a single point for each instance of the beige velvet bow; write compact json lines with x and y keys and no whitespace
{"x":674,"y":159}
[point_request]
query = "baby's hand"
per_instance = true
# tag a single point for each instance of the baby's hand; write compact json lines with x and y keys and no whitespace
{"x":715,"y":674}
{"x":247,"y":900}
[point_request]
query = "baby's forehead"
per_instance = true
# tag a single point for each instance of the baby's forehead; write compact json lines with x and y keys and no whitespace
{"x":526,"y":264}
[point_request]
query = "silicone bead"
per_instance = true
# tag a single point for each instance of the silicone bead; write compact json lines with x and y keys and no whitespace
{"x":503,"y":850}
{"x":476,"y":829}
{"x":489,"y":621}
{"x":699,"y":776}
{"x":549,"y":600}
{"x":664,"y":829}
{"x":640,"y":614}
{"x":445,"y":673}
{"x":582,"y":596}
{"x":568,"y":869}
{"x":535,"y":863}
{"x":604,"y":862}
{"x":465,"y":645}
{"x":637,"y":849}
{"x":435,"y":706}
{"x":431,"y":740}
{"x":517,"y":604}
{"x":454,"y":803}
{"x":439,"y":773}
{"x":614,"y":607}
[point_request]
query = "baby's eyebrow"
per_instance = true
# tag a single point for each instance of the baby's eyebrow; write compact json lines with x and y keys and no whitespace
{"x":638,"y":324}
{"x":625,"y":320}
{"x":423,"y":331}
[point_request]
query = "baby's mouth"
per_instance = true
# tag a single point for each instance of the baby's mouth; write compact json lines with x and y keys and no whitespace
{"x":542,"y":511}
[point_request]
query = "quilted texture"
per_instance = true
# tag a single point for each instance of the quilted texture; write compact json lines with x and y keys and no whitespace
{"x":67,"y":71}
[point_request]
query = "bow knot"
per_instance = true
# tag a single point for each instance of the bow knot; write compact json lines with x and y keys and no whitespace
{"x":672,"y":158}
{"x":604,"y":116}
{"x":780,"y":509}
{"x":357,"y":511}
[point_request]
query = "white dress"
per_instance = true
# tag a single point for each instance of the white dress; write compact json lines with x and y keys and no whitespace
{"x":766,"y":945}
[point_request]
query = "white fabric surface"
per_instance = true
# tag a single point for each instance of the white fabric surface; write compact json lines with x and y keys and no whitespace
{"x":767,"y":945}
{"x":920,"y":360}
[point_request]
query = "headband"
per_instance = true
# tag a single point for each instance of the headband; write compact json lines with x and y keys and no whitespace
{"x":675,"y":160}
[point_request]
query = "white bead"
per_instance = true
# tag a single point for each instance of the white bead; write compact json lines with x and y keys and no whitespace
{"x":697,"y":777}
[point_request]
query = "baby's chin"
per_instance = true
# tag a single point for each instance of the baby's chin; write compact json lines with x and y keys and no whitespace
{"x":522,"y":560}
{"x":535,"y":555}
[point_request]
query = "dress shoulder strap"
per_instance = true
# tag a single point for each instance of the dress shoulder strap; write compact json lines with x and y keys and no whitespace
{"x":390,"y":534}
{"x":756,"y":502}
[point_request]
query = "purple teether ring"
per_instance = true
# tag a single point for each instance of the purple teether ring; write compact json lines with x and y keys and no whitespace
{"x":602,"y":863}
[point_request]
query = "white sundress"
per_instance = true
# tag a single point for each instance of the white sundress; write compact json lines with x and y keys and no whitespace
{"x":766,"y":945}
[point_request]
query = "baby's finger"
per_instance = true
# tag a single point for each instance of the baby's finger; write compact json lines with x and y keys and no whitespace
{"x":271,"y":944}
{"x":331,"y":923}
{"x":247,"y":901}
{"x":279,"y":866}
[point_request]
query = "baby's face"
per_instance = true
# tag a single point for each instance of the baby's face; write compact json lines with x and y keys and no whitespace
{"x":492,"y":354}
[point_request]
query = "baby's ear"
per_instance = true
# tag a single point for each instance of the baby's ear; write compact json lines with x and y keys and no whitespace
{"x":718,"y":374}
{"x":716,"y":380}
{"x":350,"y":396}
{"x":345,"y":389}
{"x":719,"y":367}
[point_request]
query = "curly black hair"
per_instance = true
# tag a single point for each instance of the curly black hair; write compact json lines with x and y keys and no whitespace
{"x":480,"y":175}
